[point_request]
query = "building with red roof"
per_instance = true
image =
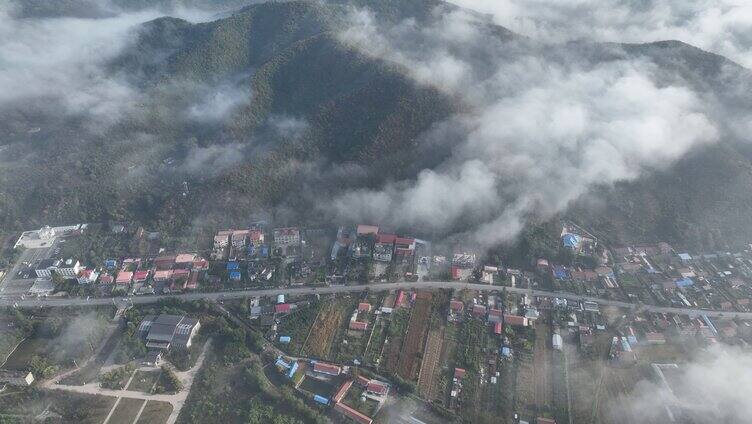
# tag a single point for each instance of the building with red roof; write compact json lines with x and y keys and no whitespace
{"x":364,"y":307}
{"x":201,"y":264}
{"x":185,"y":258}
{"x":106,"y":279}
{"x":163,"y":275}
{"x":164,"y":262}
{"x":352,"y":414}
{"x":404,"y":246}
{"x":495,"y":315}
{"x":400,"y":299}
{"x":459,"y":372}
{"x":282,"y":308}
{"x":362,"y":381}
{"x":257,"y":237}
{"x":358,"y":325}
{"x":497,"y":328}
{"x":479,"y":310}
{"x":192,"y":282}
{"x":515,"y":320}
{"x":377,"y":387}
{"x":325,"y":368}
{"x":140,"y":276}
{"x":363,"y":229}
{"x":342,"y":391}
{"x":543,"y":420}
{"x":456,"y":305}
{"x":124,"y":277}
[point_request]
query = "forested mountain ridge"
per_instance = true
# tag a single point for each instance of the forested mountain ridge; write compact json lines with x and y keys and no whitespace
{"x":306,"y":116}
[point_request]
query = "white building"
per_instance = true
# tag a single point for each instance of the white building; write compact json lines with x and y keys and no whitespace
{"x":286,"y":236}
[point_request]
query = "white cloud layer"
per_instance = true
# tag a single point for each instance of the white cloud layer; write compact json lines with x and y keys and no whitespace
{"x":721,"y":26}
{"x":538,"y":134}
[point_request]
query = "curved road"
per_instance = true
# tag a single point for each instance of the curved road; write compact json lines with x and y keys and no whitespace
{"x":236,"y":294}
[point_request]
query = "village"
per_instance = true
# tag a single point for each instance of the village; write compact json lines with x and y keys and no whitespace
{"x":503,"y":354}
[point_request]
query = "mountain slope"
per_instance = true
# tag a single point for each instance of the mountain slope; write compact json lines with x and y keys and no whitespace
{"x":358,"y":118}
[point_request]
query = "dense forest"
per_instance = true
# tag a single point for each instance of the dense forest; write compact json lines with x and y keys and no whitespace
{"x":310,"y":117}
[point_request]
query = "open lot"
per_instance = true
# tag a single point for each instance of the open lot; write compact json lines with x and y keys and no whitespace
{"x":27,"y":405}
{"x":155,"y":412}
{"x":126,"y":411}
{"x":328,"y":321}
{"x":143,"y":381}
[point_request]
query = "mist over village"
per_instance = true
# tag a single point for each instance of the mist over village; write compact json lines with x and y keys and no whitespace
{"x":375,"y":211}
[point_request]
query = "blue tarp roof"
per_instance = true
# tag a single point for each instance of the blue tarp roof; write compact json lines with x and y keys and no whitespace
{"x":570,"y":240}
{"x":321,"y":399}
{"x":505,"y":351}
{"x":264,"y":251}
{"x":684,"y":282}
{"x":235,"y":275}
{"x":560,"y":272}
{"x":232,"y":265}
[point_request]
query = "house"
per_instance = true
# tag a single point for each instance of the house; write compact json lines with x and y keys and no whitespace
{"x":222,"y":239}
{"x":256,"y":236}
{"x":570,"y":241}
{"x":87,"y":276}
{"x":358,"y":325}
{"x":140,"y":276}
{"x":282,"y":308}
{"x":479,"y":310}
{"x":162,"y":332}
{"x":235,"y":275}
{"x":362,"y":230}
{"x":164,"y":262}
{"x":106,"y":279}
{"x":289,"y":236}
{"x":495,"y":315}
{"x":459,"y":373}
{"x":542,"y":420}
{"x":185,"y":259}
{"x":364,"y":307}
{"x":404,"y":246}
{"x":684,"y":257}
{"x":329,"y":369}
{"x":163,"y":275}
{"x":515,"y":320}
{"x":239,"y":238}
{"x":497,"y":327}
{"x":124,"y":278}
{"x":456,"y":306}
{"x":16,"y":378}
{"x":384,"y":247}
{"x":377,"y":387}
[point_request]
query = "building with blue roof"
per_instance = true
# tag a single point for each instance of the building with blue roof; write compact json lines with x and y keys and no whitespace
{"x":110,"y":264}
{"x":571,"y":241}
{"x":231,"y":266}
{"x":685,"y":282}
{"x":321,"y":399}
{"x":264,"y":251}
{"x":560,"y":273}
{"x":235,"y":275}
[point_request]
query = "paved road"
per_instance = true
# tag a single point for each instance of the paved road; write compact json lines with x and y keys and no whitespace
{"x":237,"y":294}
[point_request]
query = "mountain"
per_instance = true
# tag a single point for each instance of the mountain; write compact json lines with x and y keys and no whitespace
{"x":312,"y":116}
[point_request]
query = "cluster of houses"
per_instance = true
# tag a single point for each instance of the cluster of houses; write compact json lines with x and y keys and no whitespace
{"x":340,"y":379}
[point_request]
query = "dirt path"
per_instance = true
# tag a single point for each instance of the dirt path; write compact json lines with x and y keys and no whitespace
{"x":177,"y":400}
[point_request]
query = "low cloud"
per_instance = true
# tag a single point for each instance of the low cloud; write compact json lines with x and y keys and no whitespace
{"x":58,"y":64}
{"x":720,"y":26}
{"x":539,"y":132}
{"x":714,"y":388}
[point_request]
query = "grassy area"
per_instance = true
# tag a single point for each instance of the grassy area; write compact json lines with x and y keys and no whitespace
{"x":143,"y":381}
{"x":21,"y":357}
{"x":318,"y":387}
{"x":85,"y":375}
{"x":155,"y":412}
{"x":24,"y":405}
{"x":126,"y":411}
{"x":297,"y":325}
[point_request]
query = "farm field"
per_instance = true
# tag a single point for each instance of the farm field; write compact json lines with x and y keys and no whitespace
{"x":376,"y":345}
{"x":427,"y":387}
{"x":126,"y":411}
{"x":297,"y":326}
{"x":328,"y":322}
{"x":413,"y":344}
